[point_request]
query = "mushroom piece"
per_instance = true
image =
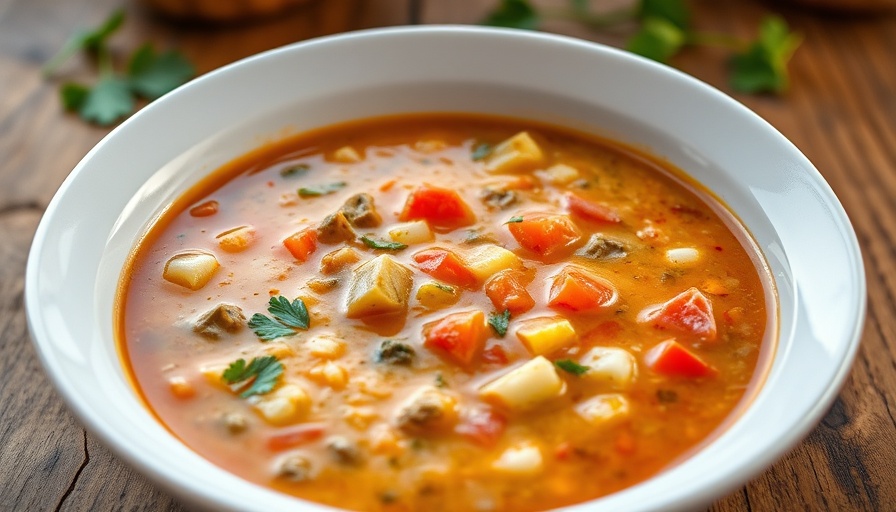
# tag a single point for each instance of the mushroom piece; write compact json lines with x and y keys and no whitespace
{"x":600,"y":247}
{"x":344,"y":450}
{"x":295,"y":468}
{"x":335,"y":228}
{"x":426,"y":411}
{"x":380,"y":286}
{"x":360,"y":212}
{"x":220,"y":320}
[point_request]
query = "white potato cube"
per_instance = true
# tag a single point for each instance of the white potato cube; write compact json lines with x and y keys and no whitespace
{"x":415,"y":232}
{"x":214,"y":375}
{"x":379,"y":286}
{"x":683,"y":256}
{"x":191,"y":269}
{"x":522,"y":459}
{"x":525,"y":386}
{"x":346,"y":155}
{"x":518,"y":153}
{"x":329,"y":374}
{"x":326,"y":347}
{"x":487,"y":260}
{"x":614,"y":366}
{"x":287,"y":404}
{"x":603,"y":409}
{"x":561,"y":174}
{"x":546,"y":334}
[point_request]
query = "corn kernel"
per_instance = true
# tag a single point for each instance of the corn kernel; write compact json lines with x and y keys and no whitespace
{"x":287,"y":404}
{"x":346,"y":155}
{"x":603,"y":409}
{"x":329,"y":374}
{"x":326,"y":347}
{"x":436,"y":295}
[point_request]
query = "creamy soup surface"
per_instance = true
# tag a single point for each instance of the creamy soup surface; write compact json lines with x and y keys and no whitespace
{"x":445,"y":313}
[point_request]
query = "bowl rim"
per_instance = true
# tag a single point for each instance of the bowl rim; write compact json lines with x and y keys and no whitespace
{"x":730,"y":478}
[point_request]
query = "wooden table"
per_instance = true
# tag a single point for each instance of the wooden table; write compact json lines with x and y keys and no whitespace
{"x":841,"y":111}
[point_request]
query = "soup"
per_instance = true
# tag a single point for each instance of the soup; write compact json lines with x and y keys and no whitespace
{"x":445,"y":312}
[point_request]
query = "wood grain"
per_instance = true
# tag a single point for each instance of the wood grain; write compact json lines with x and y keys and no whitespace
{"x":841,"y":111}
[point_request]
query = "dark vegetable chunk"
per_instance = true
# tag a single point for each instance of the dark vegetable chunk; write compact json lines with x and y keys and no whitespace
{"x":360,"y":212}
{"x":428,"y":411}
{"x":335,"y":228}
{"x":498,"y":199}
{"x":220,"y":320}
{"x":295,"y":468}
{"x":395,"y":352}
{"x":344,"y":450}
{"x":600,"y":247}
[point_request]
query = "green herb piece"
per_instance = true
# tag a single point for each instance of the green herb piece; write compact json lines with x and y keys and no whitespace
{"x":73,"y":96}
{"x":287,"y":318}
{"x":321,"y":190}
{"x":673,"y":11}
{"x":260,"y":375}
{"x":440,"y":381}
{"x":763,"y":66}
{"x":395,"y":352}
{"x":515,"y":220}
{"x":152,"y":74}
{"x":382,"y":244}
{"x":570,"y":366}
{"x":107,"y":101}
{"x":444,"y":287}
{"x":295,"y":171}
{"x":513,"y":14}
{"x":88,"y":40}
{"x":658,"y":39}
{"x":480,"y":151}
{"x":500,"y":322}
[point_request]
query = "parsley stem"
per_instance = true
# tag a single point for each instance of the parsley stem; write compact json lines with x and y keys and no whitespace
{"x":717,"y":40}
{"x":594,"y":20}
{"x":66,"y":52}
{"x":104,"y":61}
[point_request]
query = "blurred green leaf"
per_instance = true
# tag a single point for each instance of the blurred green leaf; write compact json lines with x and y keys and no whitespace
{"x":658,"y":39}
{"x":763,"y":66}
{"x":673,"y":11}
{"x":88,"y":40}
{"x":152,"y":75}
{"x":108,"y":101}
{"x":73,"y":96}
{"x":513,"y":14}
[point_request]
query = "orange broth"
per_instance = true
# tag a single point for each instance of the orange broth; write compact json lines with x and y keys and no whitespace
{"x":617,"y":252}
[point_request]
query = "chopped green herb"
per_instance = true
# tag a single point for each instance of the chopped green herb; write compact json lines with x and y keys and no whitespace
{"x":260,"y":375}
{"x":673,"y":11}
{"x":515,"y":220}
{"x":382,"y":244}
{"x":513,"y":14}
{"x":295,"y":171}
{"x":763,"y":66}
{"x":500,"y":322}
{"x":480,"y":151}
{"x":321,"y":190}
{"x":394,"y":352}
{"x":154,"y":74}
{"x":287,"y":318}
{"x":440,"y":381}
{"x":658,"y":39}
{"x":444,"y":287}
{"x":570,"y":366}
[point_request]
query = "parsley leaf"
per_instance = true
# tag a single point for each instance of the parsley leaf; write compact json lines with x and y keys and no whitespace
{"x":152,"y":74}
{"x":515,"y":220}
{"x":88,"y":40}
{"x":382,"y":244}
{"x":480,"y":151}
{"x":260,"y":375}
{"x":321,"y":190}
{"x":658,"y":39}
{"x":108,"y":101}
{"x":570,"y":366}
{"x":763,"y":66}
{"x":73,"y":96}
{"x":513,"y":14}
{"x":295,"y":171}
{"x":672,"y":11}
{"x":500,"y":322}
{"x":287,"y":318}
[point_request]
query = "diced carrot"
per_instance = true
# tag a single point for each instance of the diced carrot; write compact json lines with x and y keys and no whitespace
{"x":545,"y":234}
{"x":589,"y":210}
{"x":575,"y":289}
{"x":563,"y":451}
{"x":625,"y":443}
{"x":482,"y":426}
{"x":672,"y":359}
{"x":445,"y":266}
{"x":689,"y":312}
{"x":442,"y":207}
{"x":495,"y":355}
{"x":302,"y":244}
{"x":296,"y":436}
{"x":507,"y":292}
{"x":387,"y":186}
{"x":734,"y":315}
{"x":460,"y":336}
{"x":204,"y":209}
{"x":181,"y":388}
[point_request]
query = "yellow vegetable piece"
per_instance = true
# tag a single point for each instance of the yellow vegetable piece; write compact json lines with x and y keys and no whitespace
{"x":415,"y":232}
{"x":338,"y":260}
{"x":237,"y":239}
{"x":561,"y":174}
{"x":437,"y":296}
{"x":603,"y":409}
{"x":614,"y":366}
{"x":346,"y":155}
{"x":287,"y":404}
{"x":379,"y":286}
{"x":487,"y":260}
{"x":525,"y":386}
{"x":545,"y":335}
{"x":191,"y":269}
{"x":518,"y":153}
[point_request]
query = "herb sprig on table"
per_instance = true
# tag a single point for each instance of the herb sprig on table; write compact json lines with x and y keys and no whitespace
{"x":664,"y":29}
{"x":114,"y":95}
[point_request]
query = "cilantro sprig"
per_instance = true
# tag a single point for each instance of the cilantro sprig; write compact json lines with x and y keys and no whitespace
{"x":664,"y":29}
{"x":321,"y":190}
{"x":572,"y":367}
{"x":288,"y":317}
{"x":500,"y":322}
{"x":382,"y":245}
{"x":114,"y":96}
{"x":257,"y":377}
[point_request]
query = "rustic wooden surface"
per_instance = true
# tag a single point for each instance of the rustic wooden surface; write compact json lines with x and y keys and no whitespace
{"x":841,"y":111}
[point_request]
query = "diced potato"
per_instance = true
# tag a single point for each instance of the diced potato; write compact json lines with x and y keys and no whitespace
{"x":518,"y":153}
{"x":430,"y":145}
{"x":329,"y":374}
{"x":237,"y":239}
{"x":615,"y":366}
{"x":683,"y":256}
{"x":214,"y":375}
{"x":287,"y":404}
{"x":525,"y":386}
{"x":414,"y":232}
{"x":379,"y":286}
{"x":279,"y":350}
{"x":337,"y":260}
{"x":546,"y":334}
{"x":360,"y":418}
{"x":318,"y":285}
{"x":181,"y":388}
{"x":191,"y":269}
{"x":346,"y":155}
{"x":522,"y":459}
{"x":437,"y":295}
{"x":603,"y":409}
{"x":326,"y":347}
{"x":383,"y":440}
{"x":561,"y":174}
{"x":428,"y":410}
{"x":487,"y":260}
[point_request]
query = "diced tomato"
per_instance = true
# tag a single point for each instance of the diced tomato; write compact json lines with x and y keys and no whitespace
{"x":577,"y":290}
{"x":672,"y":359}
{"x":589,"y":210}
{"x":689,"y":312}
{"x":440,"y":206}
{"x":445,"y":266}
{"x":459,"y":336}
{"x":482,"y":426}
{"x":204,"y":209}
{"x":302,"y":244}
{"x":545,"y":234}
{"x":495,"y":355}
{"x":507,"y":292}
{"x":296,"y":436}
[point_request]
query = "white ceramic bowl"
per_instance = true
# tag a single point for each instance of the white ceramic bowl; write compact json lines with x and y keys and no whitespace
{"x":125,"y":181}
